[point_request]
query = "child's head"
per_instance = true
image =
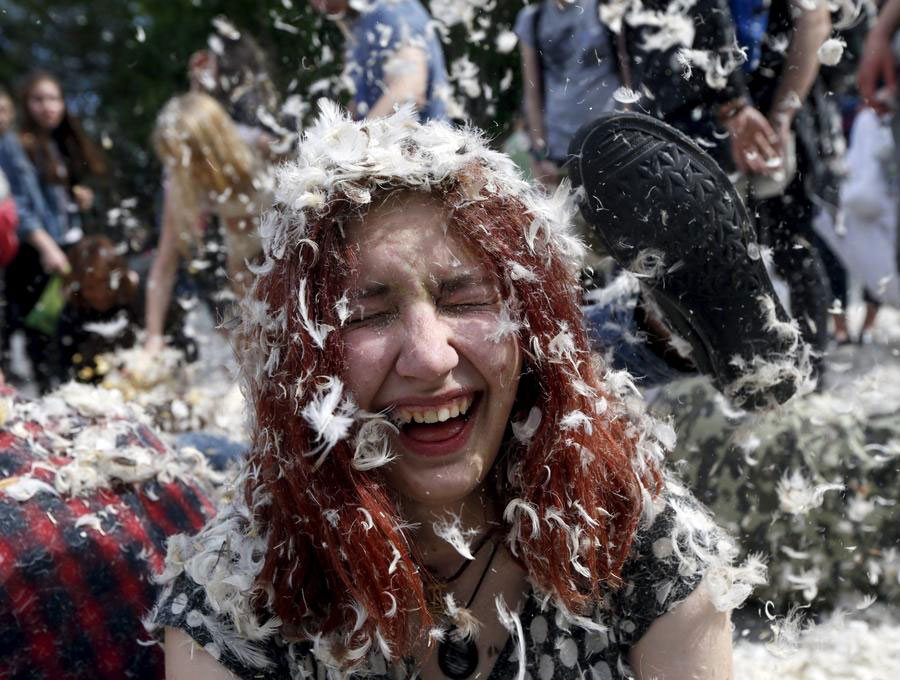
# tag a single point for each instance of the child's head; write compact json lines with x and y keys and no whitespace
{"x":7,"y":111}
{"x":100,"y":278}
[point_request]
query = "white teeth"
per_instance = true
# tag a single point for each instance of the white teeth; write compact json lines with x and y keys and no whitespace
{"x":457,"y":408}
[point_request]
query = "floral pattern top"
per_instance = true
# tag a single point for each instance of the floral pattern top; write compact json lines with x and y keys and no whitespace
{"x":662,"y":570}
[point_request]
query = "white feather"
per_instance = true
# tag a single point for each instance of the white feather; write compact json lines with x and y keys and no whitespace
{"x":23,"y":488}
{"x":450,"y":529}
{"x":511,"y":622}
{"x":373,"y":447}
{"x":316,"y":331}
{"x":330,"y":415}
{"x":524,"y":431}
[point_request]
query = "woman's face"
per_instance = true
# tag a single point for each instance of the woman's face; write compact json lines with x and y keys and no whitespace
{"x":45,"y":104}
{"x":418,"y":346}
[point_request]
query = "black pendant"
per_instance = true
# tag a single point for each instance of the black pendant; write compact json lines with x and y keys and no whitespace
{"x":457,"y":659}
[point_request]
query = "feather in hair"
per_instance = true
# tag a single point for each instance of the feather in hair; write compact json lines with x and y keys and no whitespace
{"x":330,"y":415}
{"x":372,"y":447}
{"x":523,"y":431}
{"x":317,"y":332}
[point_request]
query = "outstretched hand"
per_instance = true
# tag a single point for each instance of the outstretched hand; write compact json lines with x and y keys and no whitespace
{"x":877,"y":67}
{"x":755,"y":146}
{"x":54,"y":260}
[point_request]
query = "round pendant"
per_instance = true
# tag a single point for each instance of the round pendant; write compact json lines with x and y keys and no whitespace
{"x":457,"y":659}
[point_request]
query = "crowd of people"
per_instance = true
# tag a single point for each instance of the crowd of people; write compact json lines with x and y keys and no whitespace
{"x":448,"y":471}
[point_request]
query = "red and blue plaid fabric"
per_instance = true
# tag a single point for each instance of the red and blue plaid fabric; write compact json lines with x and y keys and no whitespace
{"x":73,"y":593}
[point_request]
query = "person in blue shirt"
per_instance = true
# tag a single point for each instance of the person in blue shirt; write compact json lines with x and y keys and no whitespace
{"x":34,"y":214}
{"x":37,"y":247}
{"x":49,"y":164}
{"x":393,"y":56}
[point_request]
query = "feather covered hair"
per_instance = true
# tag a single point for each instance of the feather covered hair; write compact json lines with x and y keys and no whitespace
{"x":575,"y":470}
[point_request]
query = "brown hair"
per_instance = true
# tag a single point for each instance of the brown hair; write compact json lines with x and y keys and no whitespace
{"x":82,"y":159}
{"x":243,"y":83}
{"x":93,"y":253}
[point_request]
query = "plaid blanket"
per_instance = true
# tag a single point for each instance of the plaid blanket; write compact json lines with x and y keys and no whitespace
{"x":76,"y":555}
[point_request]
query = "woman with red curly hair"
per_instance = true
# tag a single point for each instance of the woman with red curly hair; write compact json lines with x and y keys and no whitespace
{"x":443,"y":480}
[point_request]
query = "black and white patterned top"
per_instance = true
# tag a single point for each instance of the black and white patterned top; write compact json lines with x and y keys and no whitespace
{"x":655,"y":581}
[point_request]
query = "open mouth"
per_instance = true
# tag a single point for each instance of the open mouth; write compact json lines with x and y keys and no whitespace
{"x":437,"y":430}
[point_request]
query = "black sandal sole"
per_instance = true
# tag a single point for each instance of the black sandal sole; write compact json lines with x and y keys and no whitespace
{"x":666,"y":211}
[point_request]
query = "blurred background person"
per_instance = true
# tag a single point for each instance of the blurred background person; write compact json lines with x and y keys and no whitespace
{"x":575,"y":60}
{"x":234,"y":70}
{"x":823,"y":129}
{"x":214,"y":167}
{"x":101,"y":306}
{"x":878,"y":71}
{"x":9,"y":217}
{"x":878,"y":67}
{"x":393,"y":56}
{"x":51,"y":188}
{"x":782,"y":45}
{"x":569,"y":74}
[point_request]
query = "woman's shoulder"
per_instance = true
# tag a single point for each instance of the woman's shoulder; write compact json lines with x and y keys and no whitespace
{"x":208,"y":591}
{"x":677,"y":547}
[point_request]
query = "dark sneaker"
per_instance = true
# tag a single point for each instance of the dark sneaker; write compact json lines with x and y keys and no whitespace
{"x":666,"y":212}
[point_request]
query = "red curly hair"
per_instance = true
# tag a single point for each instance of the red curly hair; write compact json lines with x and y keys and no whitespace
{"x":319,"y":564}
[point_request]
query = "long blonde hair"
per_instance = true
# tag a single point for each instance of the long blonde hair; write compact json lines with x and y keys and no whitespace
{"x":200,"y":145}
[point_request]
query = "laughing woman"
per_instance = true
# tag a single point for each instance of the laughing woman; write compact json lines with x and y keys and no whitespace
{"x":442,"y":481}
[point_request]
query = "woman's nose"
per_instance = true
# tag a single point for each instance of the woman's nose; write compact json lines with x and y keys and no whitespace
{"x":426,"y":352}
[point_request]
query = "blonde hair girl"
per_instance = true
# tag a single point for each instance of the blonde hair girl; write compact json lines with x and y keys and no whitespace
{"x":214,"y":167}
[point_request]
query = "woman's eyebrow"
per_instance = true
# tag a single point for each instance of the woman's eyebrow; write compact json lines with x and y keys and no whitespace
{"x":464,"y":280}
{"x":373,"y":291}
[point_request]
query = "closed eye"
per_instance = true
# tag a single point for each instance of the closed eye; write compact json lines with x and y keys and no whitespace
{"x":372,"y":319}
{"x":462,"y":307}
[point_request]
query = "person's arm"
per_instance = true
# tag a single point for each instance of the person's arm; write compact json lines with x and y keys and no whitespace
{"x":406,"y":81}
{"x":878,"y":63}
{"x":691,"y":641}
{"x":186,"y":660}
{"x":811,"y":29}
{"x":53,"y":259}
{"x":533,"y":103}
{"x":161,"y":279}
{"x":30,"y":205}
{"x":543,"y":169}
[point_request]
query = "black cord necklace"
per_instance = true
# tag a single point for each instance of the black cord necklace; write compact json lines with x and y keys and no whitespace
{"x":457,"y":658}
{"x":446,"y":580}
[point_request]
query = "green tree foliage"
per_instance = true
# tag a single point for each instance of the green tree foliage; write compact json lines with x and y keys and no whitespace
{"x":121,"y":60}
